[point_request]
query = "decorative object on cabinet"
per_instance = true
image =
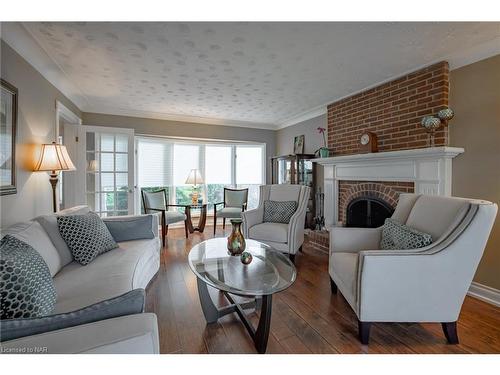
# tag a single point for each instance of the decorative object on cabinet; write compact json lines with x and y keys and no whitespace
{"x":298,"y":144}
{"x":297,"y":170}
{"x":368,"y":142}
{"x":8,"y":126}
{"x":323,"y":152}
{"x":54,"y":158}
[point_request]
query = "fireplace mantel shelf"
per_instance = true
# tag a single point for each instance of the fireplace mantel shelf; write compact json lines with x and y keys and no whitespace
{"x":429,"y":169}
{"x":419,"y":153}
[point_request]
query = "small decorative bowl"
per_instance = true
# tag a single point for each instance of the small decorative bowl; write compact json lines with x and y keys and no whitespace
{"x":246,"y":258}
{"x":430,"y":122}
{"x":445,"y":114}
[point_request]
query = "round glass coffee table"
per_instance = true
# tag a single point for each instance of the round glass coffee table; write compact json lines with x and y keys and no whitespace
{"x":269,"y":272}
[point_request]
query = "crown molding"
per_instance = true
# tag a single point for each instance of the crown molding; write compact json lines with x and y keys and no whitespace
{"x":303,"y":116}
{"x":114,"y":111}
{"x":23,"y":42}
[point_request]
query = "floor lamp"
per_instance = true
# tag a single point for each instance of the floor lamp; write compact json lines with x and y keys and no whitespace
{"x":54,"y":158}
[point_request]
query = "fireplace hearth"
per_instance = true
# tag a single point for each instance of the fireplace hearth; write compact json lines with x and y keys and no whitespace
{"x":367,"y":212}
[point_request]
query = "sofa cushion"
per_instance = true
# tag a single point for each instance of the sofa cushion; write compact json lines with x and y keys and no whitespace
{"x":26,"y":286}
{"x":128,"y":228}
{"x":279,"y":211}
{"x":229,"y":212}
{"x":275,"y":232}
{"x":345,"y":268}
{"x":126,"y":304}
{"x":111,"y":274}
{"x":32,"y":233}
{"x":86,"y":235}
{"x":49,"y":224}
{"x":399,"y":236}
{"x":435,"y":214}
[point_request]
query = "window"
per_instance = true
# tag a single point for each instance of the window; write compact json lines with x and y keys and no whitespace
{"x":166,"y":163}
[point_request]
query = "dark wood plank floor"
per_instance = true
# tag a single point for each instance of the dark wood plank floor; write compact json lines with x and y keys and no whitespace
{"x":306,"y":317}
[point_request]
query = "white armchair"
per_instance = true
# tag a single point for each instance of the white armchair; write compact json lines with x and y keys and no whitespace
{"x":287,"y":238}
{"x":422,"y":285}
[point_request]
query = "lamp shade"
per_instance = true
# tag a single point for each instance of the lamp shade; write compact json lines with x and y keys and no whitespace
{"x":194,"y":177}
{"x":54,"y":157}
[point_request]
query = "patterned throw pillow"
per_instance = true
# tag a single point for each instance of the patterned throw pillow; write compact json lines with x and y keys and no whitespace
{"x":86,"y":236}
{"x":397,"y":236}
{"x":27,"y":289}
{"x":279,"y":212}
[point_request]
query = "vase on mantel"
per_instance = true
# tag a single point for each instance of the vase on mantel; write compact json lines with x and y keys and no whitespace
{"x":324,"y":152}
{"x":236,"y":242}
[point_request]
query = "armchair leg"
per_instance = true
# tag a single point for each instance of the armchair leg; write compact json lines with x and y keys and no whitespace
{"x":364,"y":332}
{"x":333,"y":286}
{"x":223,"y":223}
{"x":186,"y":228}
{"x":450,"y":332}
{"x":215,"y":221}
{"x":292,"y":257}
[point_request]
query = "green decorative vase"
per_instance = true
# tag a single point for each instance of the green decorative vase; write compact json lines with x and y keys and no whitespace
{"x":235,"y":242}
{"x":324,"y":152}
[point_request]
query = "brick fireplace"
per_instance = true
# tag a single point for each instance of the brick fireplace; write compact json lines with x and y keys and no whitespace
{"x":405,"y":163}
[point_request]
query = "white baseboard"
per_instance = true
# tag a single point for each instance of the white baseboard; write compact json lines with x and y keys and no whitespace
{"x":485,"y":293}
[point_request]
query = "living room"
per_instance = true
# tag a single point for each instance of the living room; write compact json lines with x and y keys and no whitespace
{"x":181,"y":187}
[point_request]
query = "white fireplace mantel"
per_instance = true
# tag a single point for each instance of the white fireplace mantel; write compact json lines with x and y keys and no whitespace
{"x":428,"y":168}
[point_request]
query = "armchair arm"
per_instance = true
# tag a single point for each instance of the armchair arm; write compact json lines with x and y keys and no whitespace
{"x":351,"y":240}
{"x":296,"y":225}
{"x":251,"y":218}
{"x":217,"y":204}
{"x":407,"y":286}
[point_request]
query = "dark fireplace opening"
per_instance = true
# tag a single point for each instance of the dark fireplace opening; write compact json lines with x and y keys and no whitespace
{"x":367,"y":212}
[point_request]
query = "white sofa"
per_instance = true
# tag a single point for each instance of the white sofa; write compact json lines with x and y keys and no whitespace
{"x":113,"y":273}
{"x":287,"y":238}
{"x":422,"y":285}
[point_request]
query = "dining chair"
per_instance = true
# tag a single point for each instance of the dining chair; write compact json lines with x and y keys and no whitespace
{"x":234,"y":203}
{"x":156,"y":201}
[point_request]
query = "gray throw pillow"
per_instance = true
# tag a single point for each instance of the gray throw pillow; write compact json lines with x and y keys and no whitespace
{"x":27,"y":289}
{"x":86,"y":236}
{"x":130,"y":228}
{"x":279,"y":211}
{"x":129,"y":303}
{"x":397,"y":236}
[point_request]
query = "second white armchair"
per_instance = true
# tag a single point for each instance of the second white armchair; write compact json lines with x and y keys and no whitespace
{"x":287,"y":238}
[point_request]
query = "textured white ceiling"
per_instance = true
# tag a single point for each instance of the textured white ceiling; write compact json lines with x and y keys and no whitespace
{"x":261,"y":73}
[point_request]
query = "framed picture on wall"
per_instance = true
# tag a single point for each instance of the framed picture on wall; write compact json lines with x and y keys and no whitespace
{"x":298,"y":144}
{"x":8,"y":126}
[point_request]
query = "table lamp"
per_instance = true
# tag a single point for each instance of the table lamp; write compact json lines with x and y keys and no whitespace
{"x":54,"y":158}
{"x":194,"y":178}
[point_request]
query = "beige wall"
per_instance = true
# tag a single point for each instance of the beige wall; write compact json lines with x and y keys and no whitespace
{"x":186,"y":129}
{"x":475,"y":98}
{"x":36,"y":124}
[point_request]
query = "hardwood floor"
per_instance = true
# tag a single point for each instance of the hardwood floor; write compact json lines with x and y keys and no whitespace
{"x":306,"y":318}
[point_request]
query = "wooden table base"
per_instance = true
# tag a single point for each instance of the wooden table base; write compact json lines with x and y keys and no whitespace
{"x":202,"y":220}
{"x":212,"y":313}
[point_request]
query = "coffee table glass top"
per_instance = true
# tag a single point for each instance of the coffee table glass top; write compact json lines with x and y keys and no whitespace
{"x":269,"y":272}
